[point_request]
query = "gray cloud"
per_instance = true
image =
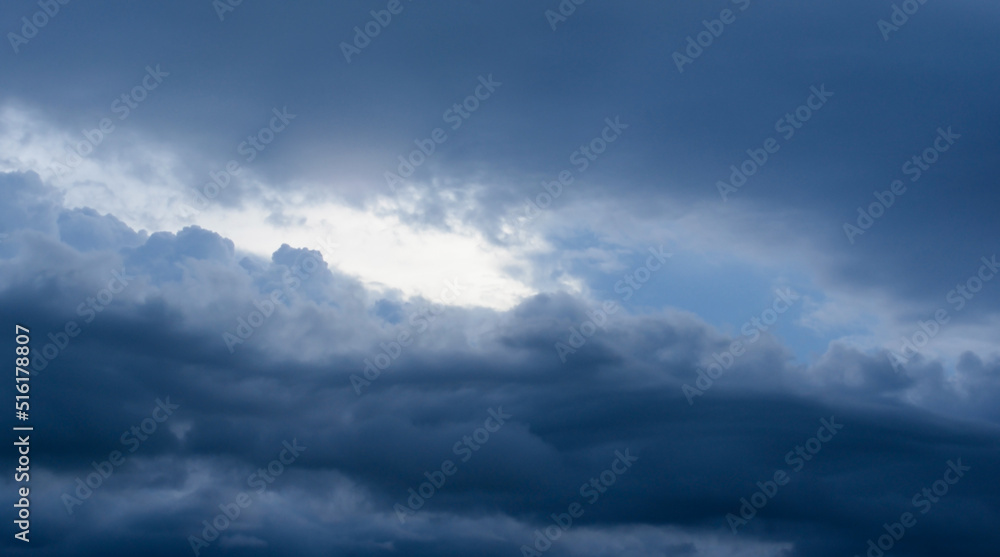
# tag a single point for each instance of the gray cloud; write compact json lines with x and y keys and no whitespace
{"x":161,"y":337}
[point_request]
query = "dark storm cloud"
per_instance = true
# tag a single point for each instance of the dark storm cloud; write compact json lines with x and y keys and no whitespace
{"x":161,"y":337}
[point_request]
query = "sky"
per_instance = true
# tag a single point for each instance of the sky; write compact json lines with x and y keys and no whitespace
{"x":556,"y":277}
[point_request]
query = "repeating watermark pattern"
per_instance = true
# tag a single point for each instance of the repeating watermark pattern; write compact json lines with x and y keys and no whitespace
{"x":796,"y":458}
{"x":634,"y":281}
{"x":225,"y":7}
{"x":250,"y":149}
{"x":787,"y":126}
{"x":259,"y":482}
{"x":437,"y":479}
{"x":88,"y":309}
{"x":566,"y":8}
{"x":329,"y":247}
{"x":591,"y":492}
{"x":30,"y":26}
{"x":752,"y":330}
{"x":418,"y":323}
{"x":899,"y":17}
{"x":923,"y":500}
{"x":455,"y":115}
{"x":914,"y":168}
{"x":581,"y":159}
{"x":264,"y":308}
{"x":958,"y":297}
{"x":122,"y":106}
{"x":696,"y":45}
{"x":132,"y":438}
{"x":363,"y":36}
{"x":597,"y":318}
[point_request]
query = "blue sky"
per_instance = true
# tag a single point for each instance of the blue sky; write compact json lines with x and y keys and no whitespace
{"x":233,"y":160}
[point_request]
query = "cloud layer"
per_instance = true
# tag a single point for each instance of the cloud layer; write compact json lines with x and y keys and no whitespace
{"x":529,"y":278}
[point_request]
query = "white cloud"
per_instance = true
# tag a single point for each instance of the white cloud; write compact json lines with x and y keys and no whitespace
{"x":370,"y":243}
